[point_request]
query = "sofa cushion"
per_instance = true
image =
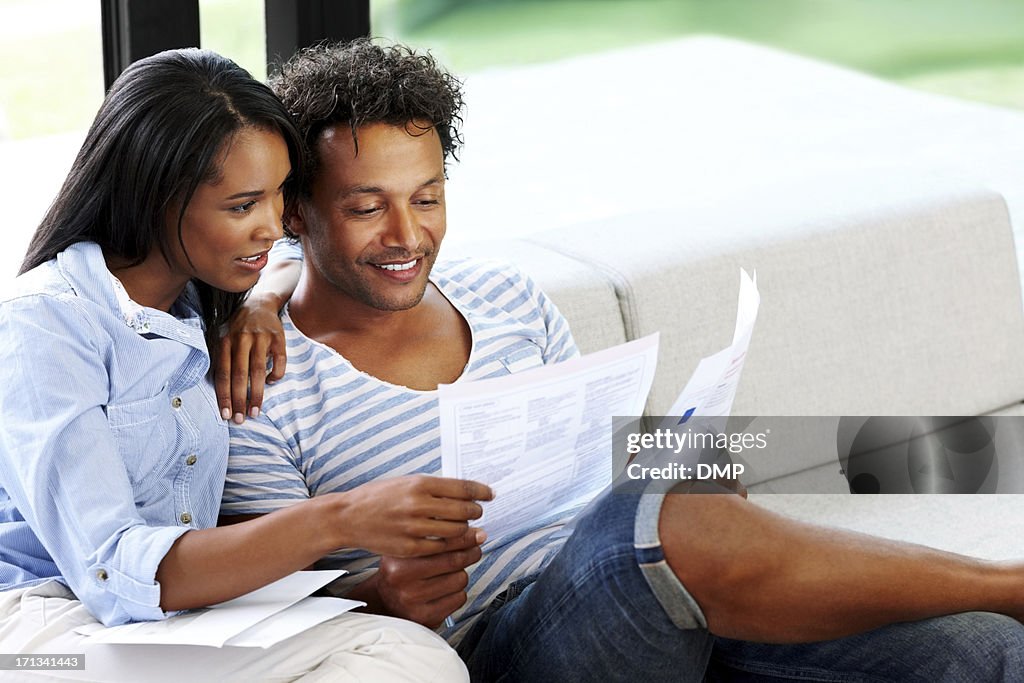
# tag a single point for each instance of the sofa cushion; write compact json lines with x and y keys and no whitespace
{"x":873,"y":301}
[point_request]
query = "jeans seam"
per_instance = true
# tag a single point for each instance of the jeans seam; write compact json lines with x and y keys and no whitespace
{"x":553,"y":610}
{"x":815,"y":674}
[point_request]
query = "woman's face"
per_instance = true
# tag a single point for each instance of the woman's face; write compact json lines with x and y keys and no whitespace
{"x":231,"y":223}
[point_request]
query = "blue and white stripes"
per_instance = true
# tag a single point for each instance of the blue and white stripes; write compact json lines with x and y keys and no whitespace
{"x":326,"y":426}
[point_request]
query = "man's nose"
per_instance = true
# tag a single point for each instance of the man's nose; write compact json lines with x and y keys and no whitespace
{"x":403,"y":230}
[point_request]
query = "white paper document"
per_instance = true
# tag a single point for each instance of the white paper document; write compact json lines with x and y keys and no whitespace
{"x":301,"y":616}
{"x":712,"y":388}
{"x":542,"y":439}
{"x":258,"y":619}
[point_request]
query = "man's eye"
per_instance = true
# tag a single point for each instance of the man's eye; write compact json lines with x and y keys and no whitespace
{"x":243,"y":208}
{"x":428,"y":202}
{"x":364,"y":212}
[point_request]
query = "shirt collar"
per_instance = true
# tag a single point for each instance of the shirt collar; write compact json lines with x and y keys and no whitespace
{"x":86,"y":270}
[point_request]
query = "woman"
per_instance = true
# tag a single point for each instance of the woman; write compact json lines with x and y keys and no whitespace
{"x":112,"y":450}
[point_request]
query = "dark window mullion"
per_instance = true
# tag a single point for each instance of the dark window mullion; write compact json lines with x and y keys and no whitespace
{"x":133,"y":29}
{"x":294,"y":24}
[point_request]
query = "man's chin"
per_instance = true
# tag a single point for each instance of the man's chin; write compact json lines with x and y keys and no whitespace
{"x":394,"y":304}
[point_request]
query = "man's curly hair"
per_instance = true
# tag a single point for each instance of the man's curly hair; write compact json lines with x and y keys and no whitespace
{"x":362,"y":82}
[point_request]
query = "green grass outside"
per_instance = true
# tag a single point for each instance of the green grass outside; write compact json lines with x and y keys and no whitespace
{"x":52,"y":82}
{"x":54,"y":90}
{"x":973,"y":49}
{"x":891,"y":38}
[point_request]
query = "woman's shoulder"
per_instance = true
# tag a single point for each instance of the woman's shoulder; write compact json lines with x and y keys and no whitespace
{"x":45,"y":299}
{"x":45,"y":280}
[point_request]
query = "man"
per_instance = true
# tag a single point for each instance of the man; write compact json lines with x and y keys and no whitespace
{"x":646,"y":587}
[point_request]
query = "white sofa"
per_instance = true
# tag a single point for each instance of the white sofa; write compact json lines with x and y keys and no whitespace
{"x":877,"y":219}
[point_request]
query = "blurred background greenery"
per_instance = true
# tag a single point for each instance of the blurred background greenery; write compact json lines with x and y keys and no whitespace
{"x":51,"y":60}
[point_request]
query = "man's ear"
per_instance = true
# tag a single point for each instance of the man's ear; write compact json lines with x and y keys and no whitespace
{"x":295,"y":218}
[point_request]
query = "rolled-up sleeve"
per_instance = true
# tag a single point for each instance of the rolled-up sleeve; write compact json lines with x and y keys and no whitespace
{"x":264,"y":473}
{"x":60,"y":464}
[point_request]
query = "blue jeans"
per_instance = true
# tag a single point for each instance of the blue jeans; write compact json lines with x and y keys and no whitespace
{"x":602,"y":611}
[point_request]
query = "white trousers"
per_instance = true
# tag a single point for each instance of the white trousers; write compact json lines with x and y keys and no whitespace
{"x":361,"y":648}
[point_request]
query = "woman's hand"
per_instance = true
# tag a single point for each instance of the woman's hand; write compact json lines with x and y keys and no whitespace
{"x":408,"y":516}
{"x":254,"y":334}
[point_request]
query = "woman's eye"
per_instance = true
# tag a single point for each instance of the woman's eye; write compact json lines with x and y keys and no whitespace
{"x":243,"y":208}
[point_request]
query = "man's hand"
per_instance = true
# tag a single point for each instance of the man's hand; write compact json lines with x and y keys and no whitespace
{"x":255,"y":332}
{"x":428,"y":589}
{"x":408,"y":516}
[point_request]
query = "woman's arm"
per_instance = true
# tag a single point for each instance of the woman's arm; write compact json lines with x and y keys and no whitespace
{"x":408,"y":516}
{"x":63,"y":467}
{"x":98,"y":483}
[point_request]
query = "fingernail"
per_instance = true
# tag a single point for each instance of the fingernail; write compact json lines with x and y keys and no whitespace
{"x":239,"y":418}
{"x":225,"y":413}
{"x":481,"y":536}
{"x":254,"y":412}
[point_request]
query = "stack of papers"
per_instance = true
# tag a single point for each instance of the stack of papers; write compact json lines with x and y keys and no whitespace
{"x":258,"y":619}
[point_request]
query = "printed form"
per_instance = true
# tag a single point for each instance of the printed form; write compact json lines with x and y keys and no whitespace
{"x":542,"y":439}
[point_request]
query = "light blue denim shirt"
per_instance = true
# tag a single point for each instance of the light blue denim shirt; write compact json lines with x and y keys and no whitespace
{"x":111,"y":446}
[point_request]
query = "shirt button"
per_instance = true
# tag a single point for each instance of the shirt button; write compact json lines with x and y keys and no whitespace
{"x":191,"y":460}
{"x":102,"y":575}
{"x":185,"y":518}
{"x":176,"y":402}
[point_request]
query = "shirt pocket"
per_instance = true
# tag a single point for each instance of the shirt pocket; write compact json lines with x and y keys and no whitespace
{"x":143,"y":432}
{"x":526,"y":356}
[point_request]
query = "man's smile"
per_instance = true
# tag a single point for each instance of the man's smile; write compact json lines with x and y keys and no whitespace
{"x":397,"y":266}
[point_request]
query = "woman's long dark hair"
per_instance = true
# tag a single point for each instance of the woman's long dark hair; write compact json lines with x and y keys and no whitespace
{"x":155,"y":139}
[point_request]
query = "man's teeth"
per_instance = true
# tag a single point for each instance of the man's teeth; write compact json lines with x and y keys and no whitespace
{"x":396,"y":266}
{"x":250,"y":259}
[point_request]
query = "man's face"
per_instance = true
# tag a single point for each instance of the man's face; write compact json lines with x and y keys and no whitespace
{"x":375,"y":220}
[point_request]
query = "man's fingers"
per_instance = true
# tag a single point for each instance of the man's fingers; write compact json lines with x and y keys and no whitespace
{"x":453,"y":562}
{"x":428,"y":612}
{"x":444,"y":607}
{"x":427,"y":578}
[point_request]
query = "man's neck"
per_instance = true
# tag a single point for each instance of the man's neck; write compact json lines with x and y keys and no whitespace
{"x":419,"y":348}
{"x":319,"y":310}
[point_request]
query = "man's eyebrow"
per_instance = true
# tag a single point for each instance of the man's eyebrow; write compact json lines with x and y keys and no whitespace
{"x":376,"y":189}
